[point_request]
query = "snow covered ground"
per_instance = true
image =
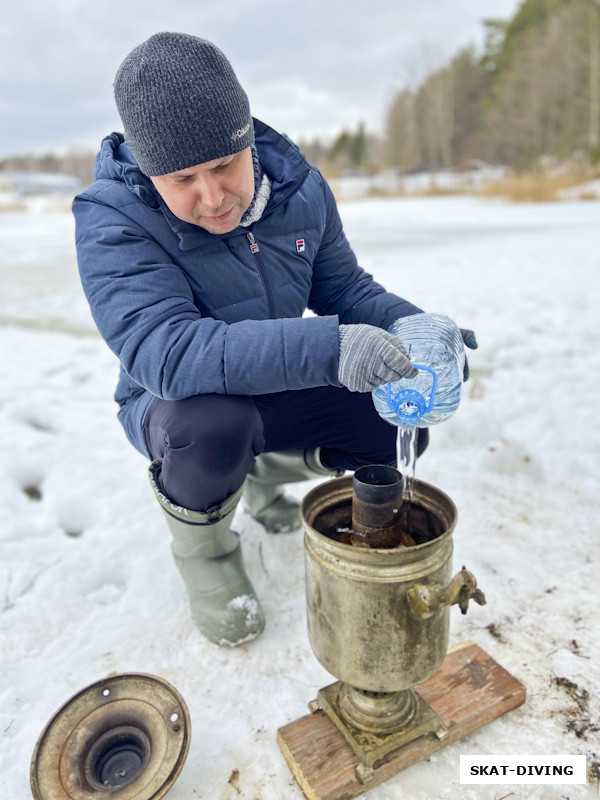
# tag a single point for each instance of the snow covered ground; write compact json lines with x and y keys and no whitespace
{"x":87,"y":586}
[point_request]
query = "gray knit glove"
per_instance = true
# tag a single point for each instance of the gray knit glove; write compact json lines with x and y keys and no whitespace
{"x":370,"y":357}
{"x":468,"y":337}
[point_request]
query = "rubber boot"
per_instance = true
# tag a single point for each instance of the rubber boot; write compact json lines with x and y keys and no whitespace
{"x":264,"y":497}
{"x":209,"y":558}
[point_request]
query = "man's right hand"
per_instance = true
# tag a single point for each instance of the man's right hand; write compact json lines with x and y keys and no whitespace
{"x":370,"y":357}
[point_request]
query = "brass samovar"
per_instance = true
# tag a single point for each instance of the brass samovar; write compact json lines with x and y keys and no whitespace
{"x":379,"y":587}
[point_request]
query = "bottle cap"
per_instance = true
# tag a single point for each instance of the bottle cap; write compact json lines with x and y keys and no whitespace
{"x":409,"y":405}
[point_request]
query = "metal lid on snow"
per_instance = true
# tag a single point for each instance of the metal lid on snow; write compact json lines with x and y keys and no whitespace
{"x":125,"y":738}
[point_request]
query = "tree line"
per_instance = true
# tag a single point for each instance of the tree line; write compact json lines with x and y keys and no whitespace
{"x":533,"y":94}
{"x":78,"y":163}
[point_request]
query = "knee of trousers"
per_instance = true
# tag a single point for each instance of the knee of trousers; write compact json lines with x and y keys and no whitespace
{"x":422,"y":441}
{"x":391,"y":455}
{"x":214,"y":432}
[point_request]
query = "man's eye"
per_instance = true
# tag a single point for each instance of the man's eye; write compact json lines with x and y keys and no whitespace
{"x":223,"y":167}
{"x":183,"y":179}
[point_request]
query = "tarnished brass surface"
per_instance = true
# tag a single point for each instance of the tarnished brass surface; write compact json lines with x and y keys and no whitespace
{"x":125,"y":738}
{"x":377,"y":712}
{"x":425,"y":600}
{"x":371,"y":746}
{"x":361,"y":625}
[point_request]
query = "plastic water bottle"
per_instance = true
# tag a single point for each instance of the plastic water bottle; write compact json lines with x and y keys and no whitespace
{"x":436,"y":349}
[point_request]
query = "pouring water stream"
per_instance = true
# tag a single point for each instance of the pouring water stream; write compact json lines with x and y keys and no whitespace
{"x":406,"y":457}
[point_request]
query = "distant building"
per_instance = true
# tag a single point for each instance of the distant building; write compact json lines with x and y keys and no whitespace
{"x":26,"y":184}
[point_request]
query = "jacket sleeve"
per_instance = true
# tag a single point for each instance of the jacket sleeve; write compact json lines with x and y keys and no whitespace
{"x":143,"y":307}
{"x":343,"y":288}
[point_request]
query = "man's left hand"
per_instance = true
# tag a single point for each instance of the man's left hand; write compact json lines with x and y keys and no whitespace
{"x":468,"y":337}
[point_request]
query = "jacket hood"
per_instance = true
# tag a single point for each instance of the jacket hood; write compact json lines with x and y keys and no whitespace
{"x":116,"y":162}
{"x":279,"y":157}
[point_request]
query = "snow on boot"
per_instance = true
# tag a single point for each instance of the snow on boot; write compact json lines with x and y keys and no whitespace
{"x":208,"y":556}
{"x":264,"y":497}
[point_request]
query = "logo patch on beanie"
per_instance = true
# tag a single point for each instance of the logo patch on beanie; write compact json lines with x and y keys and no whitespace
{"x":300,"y":245}
{"x":240,"y":132}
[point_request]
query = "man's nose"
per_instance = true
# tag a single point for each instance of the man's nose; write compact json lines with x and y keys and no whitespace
{"x":210,"y":192}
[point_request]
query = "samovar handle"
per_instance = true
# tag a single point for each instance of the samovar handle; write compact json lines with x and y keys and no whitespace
{"x":426,"y":599}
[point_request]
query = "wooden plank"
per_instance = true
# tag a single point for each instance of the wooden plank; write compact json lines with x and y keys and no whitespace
{"x":468,"y":691}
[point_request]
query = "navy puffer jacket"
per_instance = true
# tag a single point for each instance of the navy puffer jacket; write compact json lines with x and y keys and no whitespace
{"x":189,"y":312}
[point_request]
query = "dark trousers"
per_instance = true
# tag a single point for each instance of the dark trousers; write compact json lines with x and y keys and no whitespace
{"x":208,"y":443}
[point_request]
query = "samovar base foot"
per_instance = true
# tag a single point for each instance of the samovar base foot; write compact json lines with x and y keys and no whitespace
{"x":371,"y":739}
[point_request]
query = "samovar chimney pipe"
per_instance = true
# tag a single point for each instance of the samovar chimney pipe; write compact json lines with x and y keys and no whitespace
{"x":376,"y":506}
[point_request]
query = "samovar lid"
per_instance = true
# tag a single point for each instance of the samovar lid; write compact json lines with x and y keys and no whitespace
{"x":126,"y":736}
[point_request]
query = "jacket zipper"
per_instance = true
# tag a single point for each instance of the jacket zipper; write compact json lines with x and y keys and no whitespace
{"x":264,"y":275}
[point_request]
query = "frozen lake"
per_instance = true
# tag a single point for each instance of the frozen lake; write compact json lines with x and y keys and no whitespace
{"x":87,"y":586}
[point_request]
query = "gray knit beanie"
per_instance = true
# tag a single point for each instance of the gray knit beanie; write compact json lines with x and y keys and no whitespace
{"x":181,"y":104}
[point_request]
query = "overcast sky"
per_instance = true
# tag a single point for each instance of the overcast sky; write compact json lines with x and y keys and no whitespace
{"x":309,"y":68}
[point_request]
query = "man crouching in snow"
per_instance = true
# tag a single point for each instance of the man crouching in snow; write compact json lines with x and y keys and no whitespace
{"x":201,"y":243}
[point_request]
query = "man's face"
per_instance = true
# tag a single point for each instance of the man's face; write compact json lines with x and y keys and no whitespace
{"x":214,"y":195}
